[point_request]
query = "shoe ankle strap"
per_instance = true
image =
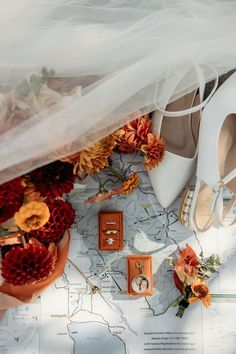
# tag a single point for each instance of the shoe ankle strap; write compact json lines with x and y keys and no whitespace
{"x":217,"y":208}
{"x":200,"y":106}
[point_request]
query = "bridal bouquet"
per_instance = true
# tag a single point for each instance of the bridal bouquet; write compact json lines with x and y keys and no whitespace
{"x":34,"y":239}
{"x":190,"y":274}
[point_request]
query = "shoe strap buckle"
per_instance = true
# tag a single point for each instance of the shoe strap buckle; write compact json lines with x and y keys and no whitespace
{"x":218,"y":187}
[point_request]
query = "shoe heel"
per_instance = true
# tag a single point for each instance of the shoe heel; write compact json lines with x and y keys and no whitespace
{"x":185,"y":207}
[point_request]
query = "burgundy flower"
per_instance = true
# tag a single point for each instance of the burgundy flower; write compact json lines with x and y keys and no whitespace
{"x":62,"y":216}
{"x":54,"y":179}
{"x":27,"y":265}
{"x":11,"y":198}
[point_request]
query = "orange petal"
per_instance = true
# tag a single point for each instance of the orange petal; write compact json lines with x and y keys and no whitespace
{"x":150,"y":138}
{"x":145,"y":148}
{"x":192,"y":300}
{"x":206,"y":300}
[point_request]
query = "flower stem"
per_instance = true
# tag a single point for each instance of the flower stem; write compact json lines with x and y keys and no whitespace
{"x":99,"y":179}
{"x":180,"y":312}
{"x":182,"y":307}
{"x":23,"y":241}
{"x":22,"y":238}
{"x":117,"y":174}
{"x":101,"y":185}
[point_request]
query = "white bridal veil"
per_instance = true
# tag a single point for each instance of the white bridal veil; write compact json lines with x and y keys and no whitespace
{"x":113,"y":60}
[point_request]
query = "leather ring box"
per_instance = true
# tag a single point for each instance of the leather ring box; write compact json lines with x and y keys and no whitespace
{"x":110,"y":230}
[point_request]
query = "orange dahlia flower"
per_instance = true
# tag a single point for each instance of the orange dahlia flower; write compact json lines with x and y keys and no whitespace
{"x":135,"y":134}
{"x":94,"y":158}
{"x":130,"y":185}
{"x":201,"y":291}
{"x":32,"y":216}
{"x":154,"y":151}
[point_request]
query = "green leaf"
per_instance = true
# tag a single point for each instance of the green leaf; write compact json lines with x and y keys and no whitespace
{"x":52,"y":72}
{"x":212,"y":270}
{"x":171,"y":260}
{"x":4,"y":232}
{"x":46,"y":73}
{"x":23,"y":89}
{"x":35,"y":84}
{"x":44,"y":70}
{"x":201,"y":254}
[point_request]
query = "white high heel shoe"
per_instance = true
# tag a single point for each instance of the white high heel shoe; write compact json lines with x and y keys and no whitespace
{"x":179,"y":128}
{"x":216,"y":167}
{"x":180,"y":134}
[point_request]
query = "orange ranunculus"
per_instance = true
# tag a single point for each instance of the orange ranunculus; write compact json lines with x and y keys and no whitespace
{"x":201,"y":291}
{"x":186,"y":265}
{"x":130,"y":185}
{"x":154,"y":151}
{"x":189,"y":255}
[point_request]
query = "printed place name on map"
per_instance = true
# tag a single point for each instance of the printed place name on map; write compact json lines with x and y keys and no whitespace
{"x":145,"y":206}
{"x":169,"y":341}
{"x":133,"y":163}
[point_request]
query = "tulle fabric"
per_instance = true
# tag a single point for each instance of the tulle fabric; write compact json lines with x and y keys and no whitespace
{"x":127,"y":56}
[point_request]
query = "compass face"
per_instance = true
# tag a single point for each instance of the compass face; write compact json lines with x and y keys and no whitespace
{"x":140,"y":283}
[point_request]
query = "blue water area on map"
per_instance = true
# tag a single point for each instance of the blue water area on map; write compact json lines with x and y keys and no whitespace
{"x":94,"y":337}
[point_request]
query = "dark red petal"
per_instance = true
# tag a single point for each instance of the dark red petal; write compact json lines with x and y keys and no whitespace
{"x":62,"y":216}
{"x":53,"y":180}
{"x":27,"y":265}
{"x":178,"y":282}
{"x":11,"y":198}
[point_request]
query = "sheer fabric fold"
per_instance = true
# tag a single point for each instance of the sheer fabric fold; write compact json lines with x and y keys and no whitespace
{"x":114,"y":60}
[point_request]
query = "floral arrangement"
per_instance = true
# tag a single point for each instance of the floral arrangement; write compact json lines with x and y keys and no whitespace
{"x":190,"y":274}
{"x":135,"y":136}
{"x":34,"y":219}
{"x":33,"y":214}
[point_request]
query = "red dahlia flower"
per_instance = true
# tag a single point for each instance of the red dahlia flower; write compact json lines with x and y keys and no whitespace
{"x":62,"y":216}
{"x":11,"y":198}
{"x":53,"y":180}
{"x":27,"y":265}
